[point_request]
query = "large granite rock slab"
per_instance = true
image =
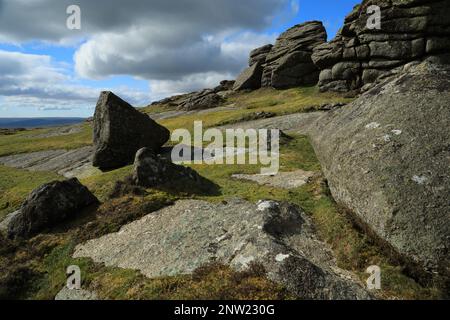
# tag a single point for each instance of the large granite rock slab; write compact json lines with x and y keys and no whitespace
{"x":120,"y":130}
{"x":48,"y":205}
{"x":179,"y":239}
{"x":387,"y":159}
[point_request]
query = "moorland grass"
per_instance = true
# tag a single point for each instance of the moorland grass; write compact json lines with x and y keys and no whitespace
{"x":40,"y":262}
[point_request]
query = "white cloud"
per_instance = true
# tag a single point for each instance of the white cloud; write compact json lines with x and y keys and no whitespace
{"x":35,"y":81}
{"x":178,"y":46}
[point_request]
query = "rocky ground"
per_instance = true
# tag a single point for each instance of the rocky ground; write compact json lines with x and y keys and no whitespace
{"x":362,"y":182}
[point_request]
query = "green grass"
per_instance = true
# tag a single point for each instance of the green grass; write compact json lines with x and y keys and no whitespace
{"x":24,"y":141}
{"x":212,"y":281}
{"x":16,"y":184}
{"x":36,"y":268}
{"x":280,"y":102}
{"x":353,"y":250}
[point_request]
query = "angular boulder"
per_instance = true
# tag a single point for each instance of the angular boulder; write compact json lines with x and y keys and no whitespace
{"x":259,"y":54}
{"x":386,"y":157}
{"x":289,"y":63}
{"x":250,"y":78}
{"x":48,"y":205}
{"x":120,"y":130}
{"x":410,"y":31}
{"x":192,"y":233}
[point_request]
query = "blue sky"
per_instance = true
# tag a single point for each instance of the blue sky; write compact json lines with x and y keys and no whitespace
{"x":53,"y":72}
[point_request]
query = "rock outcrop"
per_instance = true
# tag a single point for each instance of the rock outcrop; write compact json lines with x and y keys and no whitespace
{"x":289,"y":63}
{"x":411,"y":30}
{"x":181,"y":238}
{"x":386,"y":157}
{"x":49,"y":205}
{"x":259,"y":54}
{"x":199,"y":100}
{"x":120,"y":130}
{"x":204,"y":99}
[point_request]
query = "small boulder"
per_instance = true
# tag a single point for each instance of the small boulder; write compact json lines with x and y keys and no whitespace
{"x":49,"y":205}
{"x":152,"y":170}
{"x":120,"y":130}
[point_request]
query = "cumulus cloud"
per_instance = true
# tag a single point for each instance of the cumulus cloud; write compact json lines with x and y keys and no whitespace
{"x":35,"y":81}
{"x":179,"y":46}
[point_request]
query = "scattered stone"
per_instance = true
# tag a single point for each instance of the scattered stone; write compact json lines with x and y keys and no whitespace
{"x":283,"y":180}
{"x":225,"y":85}
{"x":386,"y":158}
{"x":120,"y":130}
{"x":181,"y":238}
{"x":199,"y":100}
{"x":289,"y":63}
{"x":49,"y":205}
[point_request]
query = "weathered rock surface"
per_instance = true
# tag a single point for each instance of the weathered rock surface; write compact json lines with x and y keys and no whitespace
{"x":75,"y":295}
{"x":250,"y":78}
{"x":68,"y":163}
{"x":179,"y":239}
{"x":284,"y":180}
{"x":289,"y":63}
{"x":120,"y":130}
{"x":152,"y":170}
{"x":4,"y":224}
{"x":386,"y":157}
{"x":410,"y":31}
{"x":204,"y":99}
{"x":259,"y":54}
{"x":49,"y":205}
